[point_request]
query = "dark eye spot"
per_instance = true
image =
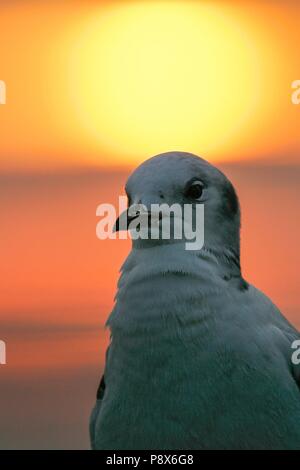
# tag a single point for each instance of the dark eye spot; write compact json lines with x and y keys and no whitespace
{"x":195,"y":190}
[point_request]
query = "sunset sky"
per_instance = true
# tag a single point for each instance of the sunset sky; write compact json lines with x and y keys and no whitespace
{"x":94,"y":88}
{"x":109,"y":83}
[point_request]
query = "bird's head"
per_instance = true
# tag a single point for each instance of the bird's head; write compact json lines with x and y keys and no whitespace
{"x":184,"y":179}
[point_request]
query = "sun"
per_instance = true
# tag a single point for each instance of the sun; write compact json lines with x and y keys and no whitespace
{"x":148,"y":77}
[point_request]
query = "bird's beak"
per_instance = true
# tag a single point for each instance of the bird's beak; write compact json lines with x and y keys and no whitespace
{"x":134,"y":211}
{"x":123,"y":221}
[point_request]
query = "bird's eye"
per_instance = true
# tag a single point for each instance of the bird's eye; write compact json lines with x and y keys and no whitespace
{"x":195,"y":190}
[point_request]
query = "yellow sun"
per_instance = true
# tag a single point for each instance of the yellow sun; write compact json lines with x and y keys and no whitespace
{"x":147,"y":77}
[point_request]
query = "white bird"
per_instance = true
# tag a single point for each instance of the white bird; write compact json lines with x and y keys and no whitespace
{"x":199,"y":359}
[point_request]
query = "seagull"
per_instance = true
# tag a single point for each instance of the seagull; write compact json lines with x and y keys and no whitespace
{"x":198,"y":357}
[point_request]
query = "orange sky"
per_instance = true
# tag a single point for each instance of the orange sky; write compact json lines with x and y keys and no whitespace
{"x":110,"y":83}
{"x":57,"y":273}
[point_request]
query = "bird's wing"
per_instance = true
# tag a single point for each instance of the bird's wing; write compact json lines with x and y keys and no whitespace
{"x":283,"y":335}
{"x":96,"y":411}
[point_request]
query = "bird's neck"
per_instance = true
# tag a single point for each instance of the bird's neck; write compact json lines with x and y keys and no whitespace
{"x":163,"y":259}
{"x":156,"y":280}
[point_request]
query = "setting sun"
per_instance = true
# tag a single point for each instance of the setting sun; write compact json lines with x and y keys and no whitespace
{"x":117,"y":82}
{"x":149,"y":77}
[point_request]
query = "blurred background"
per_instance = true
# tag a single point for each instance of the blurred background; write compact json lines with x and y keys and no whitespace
{"x":93,"y":89}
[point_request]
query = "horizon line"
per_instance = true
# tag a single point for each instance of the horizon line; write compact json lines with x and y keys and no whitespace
{"x":76,"y":170}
